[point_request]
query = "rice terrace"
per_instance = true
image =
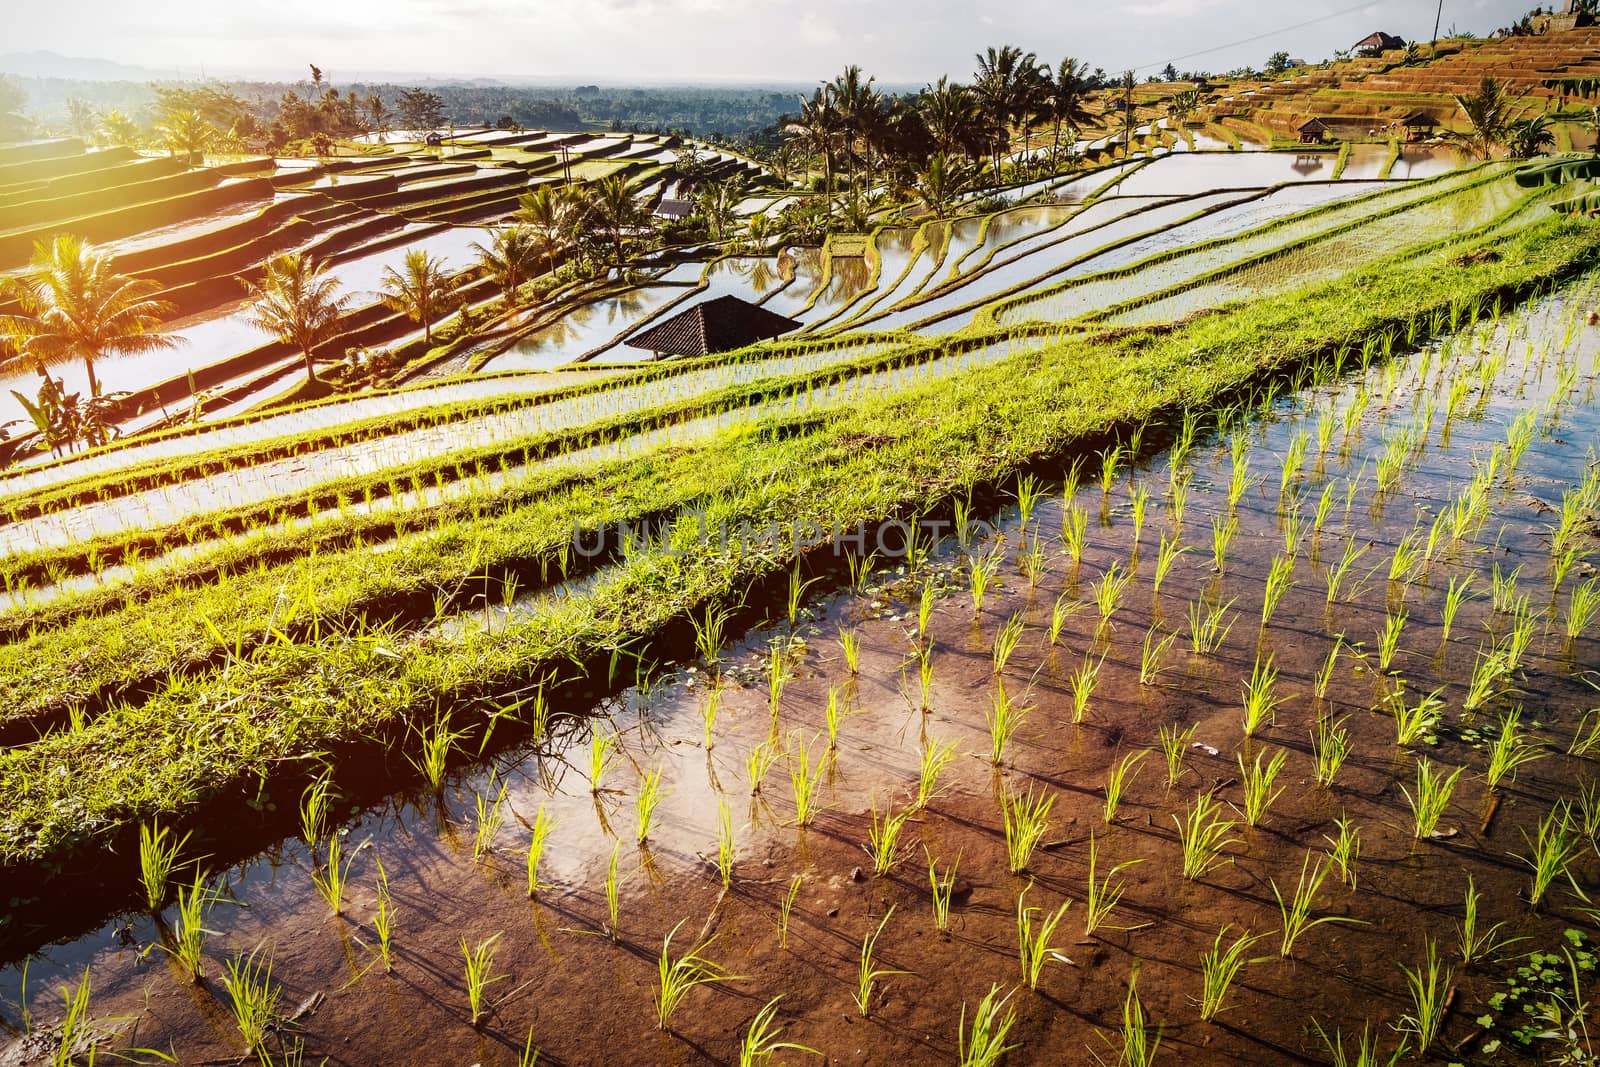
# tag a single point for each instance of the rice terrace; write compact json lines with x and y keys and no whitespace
{"x":1006,"y":563}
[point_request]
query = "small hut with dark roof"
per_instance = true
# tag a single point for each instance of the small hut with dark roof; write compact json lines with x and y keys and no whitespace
{"x":719,"y":325}
{"x":1314,"y":132}
{"x":1375,"y":44}
{"x":1419,"y":125}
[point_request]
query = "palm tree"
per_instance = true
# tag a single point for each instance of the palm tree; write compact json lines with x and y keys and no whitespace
{"x":617,"y":210}
{"x":297,"y":300}
{"x":80,"y":118}
{"x":818,"y":129}
{"x":75,"y":307}
{"x":1067,"y":102}
{"x":861,"y":114}
{"x":939,"y":183}
{"x":718,"y":205}
{"x":1526,"y":138}
{"x":950,"y":114}
{"x":510,"y":257}
{"x":187,"y":132}
{"x":1129,"y":112}
{"x":118,"y":129}
{"x":553,"y":213}
{"x":420,"y":290}
{"x":1489,"y":112}
{"x":1009,"y":86}
{"x":1183,"y":104}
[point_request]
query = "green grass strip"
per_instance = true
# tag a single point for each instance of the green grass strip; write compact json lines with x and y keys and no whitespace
{"x":263,"y":719}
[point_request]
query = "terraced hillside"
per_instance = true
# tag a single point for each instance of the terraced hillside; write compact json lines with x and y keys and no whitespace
{"x":197,"y":233}
{"x":709,"y":624}
{"x":1361,"y":98}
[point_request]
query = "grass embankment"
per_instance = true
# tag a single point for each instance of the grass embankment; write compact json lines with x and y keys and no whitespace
{"x":245,"y":736}
{"x":1284,"y":255}
{"x":167,"y":471}
{"x":62,"y":656}
{"x":28,"y":570}
{"x":1365,"y":208}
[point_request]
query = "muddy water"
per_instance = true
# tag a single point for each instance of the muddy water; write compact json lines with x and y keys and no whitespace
{"x":587,"y":999}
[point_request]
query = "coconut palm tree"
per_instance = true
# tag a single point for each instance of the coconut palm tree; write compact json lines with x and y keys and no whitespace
{"x":76,"y":307}
{"x":717,"y":204}
{"x":187,"y":132}
{"x":554,"y":213}
{"x":510,"y":257}
{"x":861,"y":116}
{"x":1183,"y":104}
{"x":118,"y":129}
{"x":617,"y":211}
{"x":1066,"y":103}
{"x":1009,"y":86}
{"x":420,"y":290}
{"x":950,"y":114}
{"x":299,"y":302}
{"x":80,"y":118}
{"x":939,"y":183}
{"x":1129,"y":111}
{"x":819,"y":129}
{"x":1526,"y":138}
{"x":1490,"y":112}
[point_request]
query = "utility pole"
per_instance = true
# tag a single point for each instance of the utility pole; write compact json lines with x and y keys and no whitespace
{"x":1438,"y":16}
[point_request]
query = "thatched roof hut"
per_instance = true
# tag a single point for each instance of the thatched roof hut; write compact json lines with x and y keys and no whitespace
{"x":719,"y":325}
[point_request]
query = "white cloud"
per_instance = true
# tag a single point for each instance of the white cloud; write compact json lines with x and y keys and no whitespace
{"x":767,"y":40}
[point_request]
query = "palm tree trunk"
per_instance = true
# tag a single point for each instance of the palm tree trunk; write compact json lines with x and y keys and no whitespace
{"x":311,"y":369}
{"x":94,"y":383}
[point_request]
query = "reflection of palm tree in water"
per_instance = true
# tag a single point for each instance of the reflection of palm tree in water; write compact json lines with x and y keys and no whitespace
{"x":850,"y":277}
{"x":759,"y":272}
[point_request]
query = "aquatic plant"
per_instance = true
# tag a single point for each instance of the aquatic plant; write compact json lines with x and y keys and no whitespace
{"x":1219,"y":966}
{"x":1118,"y":779}
{"x":678,"y":976}
{"x":1296,"y":912}
{"x":1431,"y":798}
{"x":883,"y":837}
{"x":1175,"y":745}
{"x":1025,"y":819}
{"x":941,"y":886}
{"x":760,"y":1042}
{"x":1260,"y":697}
{"x":543,"y":823}
{"x":1428,"y":985}
{"x":983,"y":1044}
{"x":1203,"y":833}
{"x":1554,"y":846}
{"x":252,"y":998}
{"x":868,"y":973}
{"x":479,"y":969}
{"x":1345,"y":850}
{"x":158,"y":857}
{"x":649,"y":798}
{"x":1258,"y":781}
{"x":1033,"y":941}
{"x":1104,"y":894}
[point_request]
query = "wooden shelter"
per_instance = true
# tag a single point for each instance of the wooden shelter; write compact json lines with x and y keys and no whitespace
{"x":1419,"y":126}
{"x":1314,"y":132}
{"x":1375,"y":44}
{"x":719,"y":325}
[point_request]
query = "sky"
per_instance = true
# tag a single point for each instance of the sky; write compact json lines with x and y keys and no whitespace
{"x":751,"y":41}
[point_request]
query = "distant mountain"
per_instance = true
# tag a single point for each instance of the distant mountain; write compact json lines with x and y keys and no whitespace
{"x":74,"y":68}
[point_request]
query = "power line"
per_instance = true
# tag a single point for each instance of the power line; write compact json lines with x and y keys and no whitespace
{"x":1259,"y":36}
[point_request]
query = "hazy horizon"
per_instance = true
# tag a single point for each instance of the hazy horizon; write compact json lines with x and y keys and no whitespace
{"x":700,"y":42}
